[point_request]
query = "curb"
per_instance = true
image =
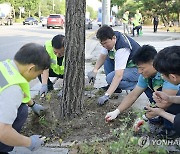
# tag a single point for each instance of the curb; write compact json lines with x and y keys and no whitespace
{"x":90,"y":35}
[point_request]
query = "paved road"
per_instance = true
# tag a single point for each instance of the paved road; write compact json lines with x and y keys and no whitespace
{"x":15,"y":36}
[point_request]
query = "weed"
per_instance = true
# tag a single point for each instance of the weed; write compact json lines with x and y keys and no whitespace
{"x":42,"y":120}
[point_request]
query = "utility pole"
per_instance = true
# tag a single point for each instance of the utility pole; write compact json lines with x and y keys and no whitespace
{"x":106,"y":12}
{"x":39,"y":12}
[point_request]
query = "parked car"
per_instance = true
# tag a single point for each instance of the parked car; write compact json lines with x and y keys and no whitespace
{"x":30,"y":21}
{"x":88,"y":24}
{"x":40,"y":19}
{"x":44,"y":21}
{"x":55,"y":20}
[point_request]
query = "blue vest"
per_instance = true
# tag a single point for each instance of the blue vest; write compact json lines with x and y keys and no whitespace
{"x":123,"y":41}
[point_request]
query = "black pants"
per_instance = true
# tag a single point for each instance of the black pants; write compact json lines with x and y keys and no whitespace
{"x":17,"y":125}
{"x":52,"y":74}
{"x":173,"y":109}
{"x":136,"y":28}
{"x":155,"y":27}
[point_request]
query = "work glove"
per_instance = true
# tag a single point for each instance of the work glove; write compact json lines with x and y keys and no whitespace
{"x":91,"y":77}
{"x":112,"y":115}
{"x":36,"y":142}
{"x":37,"y":108}
{"x":103,"y":99}
{"x":44,"y":89}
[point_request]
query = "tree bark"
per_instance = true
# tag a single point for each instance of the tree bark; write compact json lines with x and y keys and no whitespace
{"x":74,"y":77}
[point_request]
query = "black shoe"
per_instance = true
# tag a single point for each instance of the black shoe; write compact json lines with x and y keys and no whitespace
{"x":167,"y":134}
{"x":50,"y":87}
{"x":105,"y":88}
{"x":118,"y":90}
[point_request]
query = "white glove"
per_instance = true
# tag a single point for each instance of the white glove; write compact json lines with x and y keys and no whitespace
{"x":112,"y":115}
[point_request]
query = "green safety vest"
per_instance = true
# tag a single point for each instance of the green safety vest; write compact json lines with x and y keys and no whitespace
{"x":125,"y":18}
{"x":54,"y":64}
{"x":138,"y":17}
{"x":135,"y":22}
{"x":10,"y":76}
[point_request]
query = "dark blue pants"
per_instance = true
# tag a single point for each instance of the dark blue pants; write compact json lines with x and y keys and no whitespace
{"x":129,"y":79}
{"x":173,"y":109}
{"x":17,"y":125}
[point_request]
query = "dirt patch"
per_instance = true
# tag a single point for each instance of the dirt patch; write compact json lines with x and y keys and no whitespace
{"x":88,"y":132}
{"x":89,"y":126}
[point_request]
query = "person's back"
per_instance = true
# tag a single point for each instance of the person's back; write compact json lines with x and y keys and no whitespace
{"x":138,"y":16}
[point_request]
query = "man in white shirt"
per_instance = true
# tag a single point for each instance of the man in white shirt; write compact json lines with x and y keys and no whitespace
{"x":116,"y":55}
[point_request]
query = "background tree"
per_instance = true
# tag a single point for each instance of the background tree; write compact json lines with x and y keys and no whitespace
{"x":62,"y":7}
{"x":93,"y":14}
{"x":73,"y":84}
{"x":168,"y":10}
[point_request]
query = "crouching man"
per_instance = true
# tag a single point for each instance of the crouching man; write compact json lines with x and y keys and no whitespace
{"x":29,"y":62}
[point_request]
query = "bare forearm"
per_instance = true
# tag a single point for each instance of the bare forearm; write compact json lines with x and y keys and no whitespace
{"x":174,"y":99}
{"x":167,"y":116}
{"x":99,"y":62}
{"x":30,"y":103}
{"x":115,"y":82}
{"x":127,"y":102}
{"x":11,"y":137}
{"x":45,"y":76}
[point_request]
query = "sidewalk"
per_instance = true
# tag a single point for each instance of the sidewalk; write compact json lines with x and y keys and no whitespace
{"x":159,"y":40}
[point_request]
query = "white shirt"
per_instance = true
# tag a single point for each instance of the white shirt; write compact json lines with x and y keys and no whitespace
{"x":121,"y":57}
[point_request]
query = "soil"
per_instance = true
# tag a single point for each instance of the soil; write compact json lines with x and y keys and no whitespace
{"x":88,"y":132}
{"x":89,"y":126}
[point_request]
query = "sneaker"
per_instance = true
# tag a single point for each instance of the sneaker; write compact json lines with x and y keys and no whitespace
{"x":105,"y":88}
{"x":118,"y":90}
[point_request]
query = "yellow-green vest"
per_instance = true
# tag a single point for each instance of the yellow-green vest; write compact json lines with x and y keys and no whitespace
{"x":10,"y":76}
{"x":54,"y":64}
{"x":125,"y":18}
{"x":138,"y":17}
{"x":135,"y":22}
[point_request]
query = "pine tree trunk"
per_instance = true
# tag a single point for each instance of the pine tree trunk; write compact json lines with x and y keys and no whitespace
{"x":74,"y":78}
